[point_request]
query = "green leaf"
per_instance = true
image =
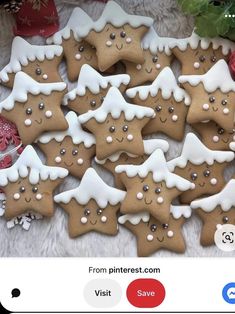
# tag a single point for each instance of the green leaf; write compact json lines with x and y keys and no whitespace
{"x":193,"y":7}
{"x":231,"y":34}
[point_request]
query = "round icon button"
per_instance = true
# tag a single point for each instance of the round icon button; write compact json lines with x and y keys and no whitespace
{"x":225,"y":237}
{"x":145,"y":293}
{"x":229,"y":293}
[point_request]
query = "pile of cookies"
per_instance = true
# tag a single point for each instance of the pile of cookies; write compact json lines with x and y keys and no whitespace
{"x":126,"y":90}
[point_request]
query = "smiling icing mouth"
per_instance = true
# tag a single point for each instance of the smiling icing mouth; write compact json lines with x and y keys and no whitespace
{"x":119,"y":48}
{"x":120,"y":141}
{"x":68,"y":165}
{"x":93,"y":223}
{"x":160,"y":240}
{"x":202,"y":184}
{"x":163,"y":120}
{"x":146,"y":202}
{"x":39,"y":121}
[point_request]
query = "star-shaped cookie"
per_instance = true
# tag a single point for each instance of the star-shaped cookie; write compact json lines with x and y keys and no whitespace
{"x":151,"y":187}
{"x":117,"y":125}
{"x":34,"y":107}
{"x":201,"y":166}
{"x":214,"y":211}
{"x":153,"y":235}
{"x":29,"y":185}
{"x":92,"y":206}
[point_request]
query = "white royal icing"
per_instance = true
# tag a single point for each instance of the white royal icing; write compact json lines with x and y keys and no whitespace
{"x":149,"y":147}
{"x":218,"y":77}
{"x":90,"y":79}
{"x":22,"y":52}
{"x":115,"y":15}
{"x":77,"y":19}
{"x":166,"y":83}
{"x":180,"y":211}
{"x":134,"y":219}
{"x":197,"y":153}
{"x":194,"y":41}
{"x":115,"y":104}
{"x":157,"y":165}
{"x":24,"y":85}
{"x":225,"y":199}
{"x":155,"y":43}
{"x":30,"y":165}
{"x":92,"y":187}
{"x":74,"y":131}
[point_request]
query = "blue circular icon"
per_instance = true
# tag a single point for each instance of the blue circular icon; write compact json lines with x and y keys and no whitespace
{"x":229,"y":293}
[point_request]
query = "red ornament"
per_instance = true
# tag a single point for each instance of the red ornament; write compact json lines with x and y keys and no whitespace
{"x":8,"y":134}
{"x":232,"y":64}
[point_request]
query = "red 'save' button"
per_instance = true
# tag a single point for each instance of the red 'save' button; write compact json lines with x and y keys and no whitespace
{"x":145,"y":293}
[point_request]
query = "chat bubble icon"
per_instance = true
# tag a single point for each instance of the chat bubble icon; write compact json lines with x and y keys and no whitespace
{"x":15,"y":293}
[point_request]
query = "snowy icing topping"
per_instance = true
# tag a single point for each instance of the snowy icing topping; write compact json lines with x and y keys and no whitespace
{"x":155,"y":43}
{"x":179,"y":211}
{"x":22,"y":52}
{"x":134,"y":219}
{"x":115,"y":104}
{"x":166,"y":83}
{"x":225,"y":199}
{"x":92,"y":187}
{"x":30,"y":165}
{"x":77,"y":19}
{"x":116,"y":16}
{"x":194,"y":41}
{"x":218,"y":77}
{"x":157,"y":165}
{"x":197,"y":153}
{"x":24,"y":85}
{"x":149,"y":147}
{"x":94,"y":81}
{"x":74,"y":131}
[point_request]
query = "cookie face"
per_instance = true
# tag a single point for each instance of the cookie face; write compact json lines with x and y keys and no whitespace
{"x":34,"y":107}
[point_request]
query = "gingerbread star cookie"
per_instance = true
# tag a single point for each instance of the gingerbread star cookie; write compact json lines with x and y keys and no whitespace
{"x":216,"y":210}
{"x":34,"y":107}
{"x":168,"y":100}
{"x":29,"y":185}
{"x":76,"y":50}
{"x":157,"y":56}
{"x":116,"y":36}
{"x":72,"y":149}
{"x":153,"y":235}
{"x":197,"y":55}
{"x":213,"y":96}
{"x":151,"y":187}
{"x":117,"y":125}
{"x":92,"y":206}
{"x":91,"y":89}
{"x":202,"y":166}
{"x":39,"y":62}
{"x":215,"y":137}
{"x":122,"y":158}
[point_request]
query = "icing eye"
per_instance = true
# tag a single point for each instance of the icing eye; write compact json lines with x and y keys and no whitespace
{"x":62,"y":151}
{"x":123,"y":34}
{"x":206,"y":173}
{"x":112,"y":36}
{"x":165,"y":226}
{"x":220,"y":131}
{"x":81,"y":48}
{"x":87,"y":212}
{"x":29,"y":111}
{"x":34,"y":189}
{"x":93,"y":103}
{"x":194,"y":176}
{"x":157,"y":190}
{"x":153,"y":227}
{"x":171,"y":109}
{"x":155,"y":59}
{"x":213,"y":59}
{"x":202,"y":58}
{"x":158,"y":108}
{"x":22,"y":189}
{"x":112,"y":129}
{"x":225,"y":219}
{"x":212,"y":99}
{"x":99,"y":211}
{"x":74,"y":152}
{"x":38,"y":71}
{"x":125,"y":128}
{"x":224,"y":102}
{"x":145,"y":188}
{"x":41,"y":106}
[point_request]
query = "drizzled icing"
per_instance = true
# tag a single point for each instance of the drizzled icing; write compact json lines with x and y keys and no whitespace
{"x":194,"y":41}
{"x":155,"y":43}
{"x":115,"y":104}
{"x":149,"y":147}
{"x":197,"y":153}
{"x":24,"y":85}
{"x":166,"y":83}
{"x":218,"y":77}
{"x":90,"y":79}
{"x":30,"y":165}
{"x":157,"y":165}
{"x":74,"y":131}
{"x":225,"y":199}
{"x":22,"y":52}
{"x":116,"y":16}
{"x":77,"y":19}
{"x":92,"y":187}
